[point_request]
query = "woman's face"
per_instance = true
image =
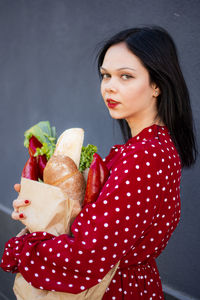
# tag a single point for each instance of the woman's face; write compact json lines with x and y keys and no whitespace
{"x":126,"y":87}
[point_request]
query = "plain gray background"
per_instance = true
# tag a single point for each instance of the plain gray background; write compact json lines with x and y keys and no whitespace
{"x":48,"y":72}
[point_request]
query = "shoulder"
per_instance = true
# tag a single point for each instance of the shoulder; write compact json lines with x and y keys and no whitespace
{"x":137,"y":156}
{"x":143,"y":150}
{"x":154,"y":153}
{"x":158,"y":151}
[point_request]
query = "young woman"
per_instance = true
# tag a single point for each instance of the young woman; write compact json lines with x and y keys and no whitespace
{"x":139,"y":206}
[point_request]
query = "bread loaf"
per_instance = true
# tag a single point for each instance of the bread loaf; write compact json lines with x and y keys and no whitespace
{"x":61,"y":171}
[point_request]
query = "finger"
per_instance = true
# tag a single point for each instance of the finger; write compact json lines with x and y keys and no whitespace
{"x":20,"y":203}
{"x":17,"y":187}
{"x":18,"y":216}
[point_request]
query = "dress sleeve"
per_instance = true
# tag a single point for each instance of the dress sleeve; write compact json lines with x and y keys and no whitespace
{"x":103,"y":232}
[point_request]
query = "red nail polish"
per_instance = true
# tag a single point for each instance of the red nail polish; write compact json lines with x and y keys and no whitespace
{"x":21,"y":215}
{"x":26,"y":201}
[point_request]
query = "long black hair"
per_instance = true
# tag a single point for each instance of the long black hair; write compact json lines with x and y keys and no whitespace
{"x":157,"y":52}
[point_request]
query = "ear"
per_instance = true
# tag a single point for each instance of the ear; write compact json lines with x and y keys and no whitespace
{"x":156,"y":90}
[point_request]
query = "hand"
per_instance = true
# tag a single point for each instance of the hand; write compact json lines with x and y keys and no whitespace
{"x":16,"y":215}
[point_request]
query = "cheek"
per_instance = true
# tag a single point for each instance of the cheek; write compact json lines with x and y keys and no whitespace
{"x":140,"y":90}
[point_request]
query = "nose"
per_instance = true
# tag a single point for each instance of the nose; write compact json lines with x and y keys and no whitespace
{"x":110,"y":89}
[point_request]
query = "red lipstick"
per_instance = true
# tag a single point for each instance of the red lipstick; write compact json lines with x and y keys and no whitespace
{"x":112,"y":103}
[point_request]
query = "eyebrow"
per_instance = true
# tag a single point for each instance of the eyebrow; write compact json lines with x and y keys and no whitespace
{"x":119,"y":68}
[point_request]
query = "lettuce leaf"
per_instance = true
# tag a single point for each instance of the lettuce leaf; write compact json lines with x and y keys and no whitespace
{"x":86,"y":156}
{"x":45,"y":134}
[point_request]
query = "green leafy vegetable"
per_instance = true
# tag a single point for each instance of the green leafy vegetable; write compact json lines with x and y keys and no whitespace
{"x":87,"y":156}
{"x":45,"y":134}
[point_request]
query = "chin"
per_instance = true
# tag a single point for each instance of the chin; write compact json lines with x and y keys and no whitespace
{"x":116,"y":116}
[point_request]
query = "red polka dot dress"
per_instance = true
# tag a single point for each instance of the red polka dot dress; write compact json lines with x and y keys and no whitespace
{"x":135,"y":214}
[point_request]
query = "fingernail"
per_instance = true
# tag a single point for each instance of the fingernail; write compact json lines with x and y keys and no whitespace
{"x":26,"y":201}
{"x":21,"y":216}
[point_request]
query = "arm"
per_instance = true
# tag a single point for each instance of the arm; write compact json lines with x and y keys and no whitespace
{"x":75,"y":264}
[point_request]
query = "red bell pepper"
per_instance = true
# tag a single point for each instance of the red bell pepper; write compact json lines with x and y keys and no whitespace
{"x":42,"y":161}
{"x":40,"y":140}
{"x":97,"y":176}
{"x":30,"y":169}
{"x":33,"y":145}
{"x":104,"y":172}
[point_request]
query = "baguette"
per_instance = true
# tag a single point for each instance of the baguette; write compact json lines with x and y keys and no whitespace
{"x":70,"y":143}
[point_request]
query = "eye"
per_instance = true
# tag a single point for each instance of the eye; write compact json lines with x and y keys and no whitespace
{"x":104,"y":75}
{"x":123,"y":76}
{"x":126,"y":76}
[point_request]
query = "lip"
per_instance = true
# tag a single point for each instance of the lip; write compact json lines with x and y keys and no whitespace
{"x":112,"y":103}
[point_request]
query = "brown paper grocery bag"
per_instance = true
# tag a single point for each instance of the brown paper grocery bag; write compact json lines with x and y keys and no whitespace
{"x":24,"y":291}
{"x":52,"y":212}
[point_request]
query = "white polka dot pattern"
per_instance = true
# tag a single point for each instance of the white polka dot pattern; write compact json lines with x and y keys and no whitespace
{"x":132,"y":221}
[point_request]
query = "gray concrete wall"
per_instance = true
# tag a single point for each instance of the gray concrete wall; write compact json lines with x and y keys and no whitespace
{"x":48,"y":72}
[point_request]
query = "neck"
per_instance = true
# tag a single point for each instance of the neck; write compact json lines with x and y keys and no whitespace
{"x":137,"y":127}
